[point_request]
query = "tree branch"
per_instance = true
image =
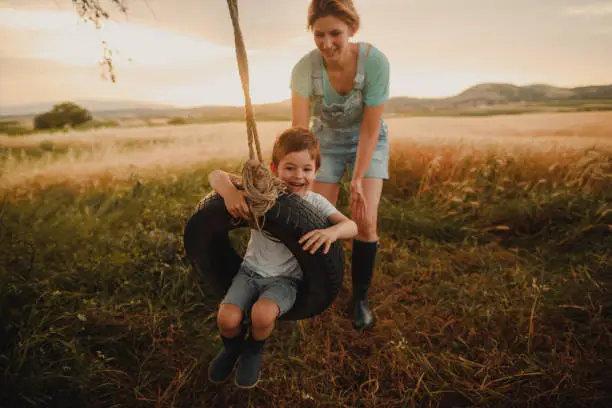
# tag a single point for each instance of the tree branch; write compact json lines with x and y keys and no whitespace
{"x":91,"y":10}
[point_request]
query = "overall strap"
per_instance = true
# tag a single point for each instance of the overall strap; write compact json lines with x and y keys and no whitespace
{"x":317,"y":73}
{"x":361,"y":60}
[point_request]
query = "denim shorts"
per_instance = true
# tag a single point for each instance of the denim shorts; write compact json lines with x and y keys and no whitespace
{"x":248,"y":287}
{"x":335,"y":157}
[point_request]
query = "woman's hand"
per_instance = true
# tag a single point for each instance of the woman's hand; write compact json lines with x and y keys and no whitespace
{"x":236,"y":204}
{"x":314,"y":239}
{"x":358,"y":203}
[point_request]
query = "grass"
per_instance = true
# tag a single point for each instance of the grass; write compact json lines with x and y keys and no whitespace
{"x":17,"y":127}
{"x":14,"y":128}
{"x":47,"y":150}
{"x":43,"y":160}
{"x":595,"y":105}
{"x":492,"y":289}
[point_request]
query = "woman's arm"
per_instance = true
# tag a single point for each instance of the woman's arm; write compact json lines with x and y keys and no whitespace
{"x":368,"y":137}
{"x":376,"y":92}
{"x":300,"y":111}
{"x":375,"y":95}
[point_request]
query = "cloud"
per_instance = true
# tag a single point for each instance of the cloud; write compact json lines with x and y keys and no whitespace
{"x":593,"y":9}
{"x":62,"y":36}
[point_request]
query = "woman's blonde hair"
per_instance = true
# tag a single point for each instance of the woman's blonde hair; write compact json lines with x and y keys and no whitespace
{"x":341,"y":9}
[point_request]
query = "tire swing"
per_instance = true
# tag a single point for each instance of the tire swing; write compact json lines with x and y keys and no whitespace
{"x":286,"y":217}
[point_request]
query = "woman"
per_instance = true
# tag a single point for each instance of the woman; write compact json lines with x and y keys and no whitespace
{"x":346,"y":84}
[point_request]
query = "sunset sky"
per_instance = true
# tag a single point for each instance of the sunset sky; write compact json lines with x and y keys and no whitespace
{"x":184,"y":55}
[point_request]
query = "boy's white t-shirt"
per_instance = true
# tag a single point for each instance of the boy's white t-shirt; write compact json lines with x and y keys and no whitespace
{"x":269,"y":258}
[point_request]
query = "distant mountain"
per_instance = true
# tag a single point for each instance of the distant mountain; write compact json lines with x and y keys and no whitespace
{"x":95,"y":106}
{"x":481,"y":95}
{"x":593,"y":92}
{"x":276,"y":109}
{"x":489,"y":94}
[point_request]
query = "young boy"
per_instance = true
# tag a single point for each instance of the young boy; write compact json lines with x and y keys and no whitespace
{"x":266,"y":284}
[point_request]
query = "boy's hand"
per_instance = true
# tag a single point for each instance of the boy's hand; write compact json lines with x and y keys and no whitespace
{"x":314,"y":239}
{"x":236,"y":204}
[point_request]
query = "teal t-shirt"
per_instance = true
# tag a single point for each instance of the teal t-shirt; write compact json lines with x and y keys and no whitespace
{"x":375,"y":89}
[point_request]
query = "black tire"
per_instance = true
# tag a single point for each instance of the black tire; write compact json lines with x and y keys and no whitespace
{"x":212,"y":256}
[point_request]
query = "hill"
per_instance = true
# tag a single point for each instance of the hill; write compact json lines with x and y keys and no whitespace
{"x":491,"y":94}
{"x":478,"y":96}
{"x":95,"y":106}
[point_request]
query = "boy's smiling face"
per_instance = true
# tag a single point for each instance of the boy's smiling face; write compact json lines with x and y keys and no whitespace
{"x":298,"y":171}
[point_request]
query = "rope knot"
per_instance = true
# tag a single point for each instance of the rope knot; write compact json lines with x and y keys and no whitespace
{"x":262,"y":189}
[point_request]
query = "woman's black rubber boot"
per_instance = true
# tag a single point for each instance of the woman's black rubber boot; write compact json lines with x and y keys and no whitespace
{"x":362,"y":268}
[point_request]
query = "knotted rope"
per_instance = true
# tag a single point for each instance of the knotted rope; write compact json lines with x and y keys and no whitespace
{"x":262,"y":190}
{"x":261,"y":187}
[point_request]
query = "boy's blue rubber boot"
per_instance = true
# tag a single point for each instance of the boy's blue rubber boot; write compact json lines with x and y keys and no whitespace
{"x":247,"y":373}
{"x":222,"y":366}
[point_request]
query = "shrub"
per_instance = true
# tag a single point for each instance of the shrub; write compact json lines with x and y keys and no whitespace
{"x":62,"y":115}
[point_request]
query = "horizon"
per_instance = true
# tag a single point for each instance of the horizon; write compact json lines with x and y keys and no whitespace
{"x":47,"y":55}
{"x":153,"y":104}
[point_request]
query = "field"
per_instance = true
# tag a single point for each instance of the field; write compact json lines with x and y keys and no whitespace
{"x":112,"y":155}
{"x":492,"y":286}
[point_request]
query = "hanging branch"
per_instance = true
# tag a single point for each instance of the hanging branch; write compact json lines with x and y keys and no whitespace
{"x":92,"y":11}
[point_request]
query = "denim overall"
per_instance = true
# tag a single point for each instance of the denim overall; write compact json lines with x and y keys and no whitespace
{"x":337,"y":125}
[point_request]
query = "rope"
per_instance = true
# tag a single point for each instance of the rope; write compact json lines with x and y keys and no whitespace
{"x":243,"y":68}
{"x":261,"y":187}
{"x":262,"y":190}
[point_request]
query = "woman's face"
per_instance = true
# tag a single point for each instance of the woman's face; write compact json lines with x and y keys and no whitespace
{"x":331,"y":36}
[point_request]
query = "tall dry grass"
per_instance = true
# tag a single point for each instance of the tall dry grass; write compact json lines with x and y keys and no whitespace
{"x":118,"y":155}
{"x":491,"y":289}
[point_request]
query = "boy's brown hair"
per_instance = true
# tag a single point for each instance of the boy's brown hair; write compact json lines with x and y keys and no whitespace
{"x":296,"y":139}
{"x":342,"y":9}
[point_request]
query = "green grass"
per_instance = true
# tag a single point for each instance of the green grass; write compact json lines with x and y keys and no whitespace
{"x":492,"y":289}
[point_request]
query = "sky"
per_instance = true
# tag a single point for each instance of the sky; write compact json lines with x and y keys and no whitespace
{"x":184,"y":54}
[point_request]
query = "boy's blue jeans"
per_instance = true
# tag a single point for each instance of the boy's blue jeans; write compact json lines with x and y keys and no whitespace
{"x":248,"y":287}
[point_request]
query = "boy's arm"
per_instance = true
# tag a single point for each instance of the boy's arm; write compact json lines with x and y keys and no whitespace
{"x":234,"y":199}
{"x":343,"y":228}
